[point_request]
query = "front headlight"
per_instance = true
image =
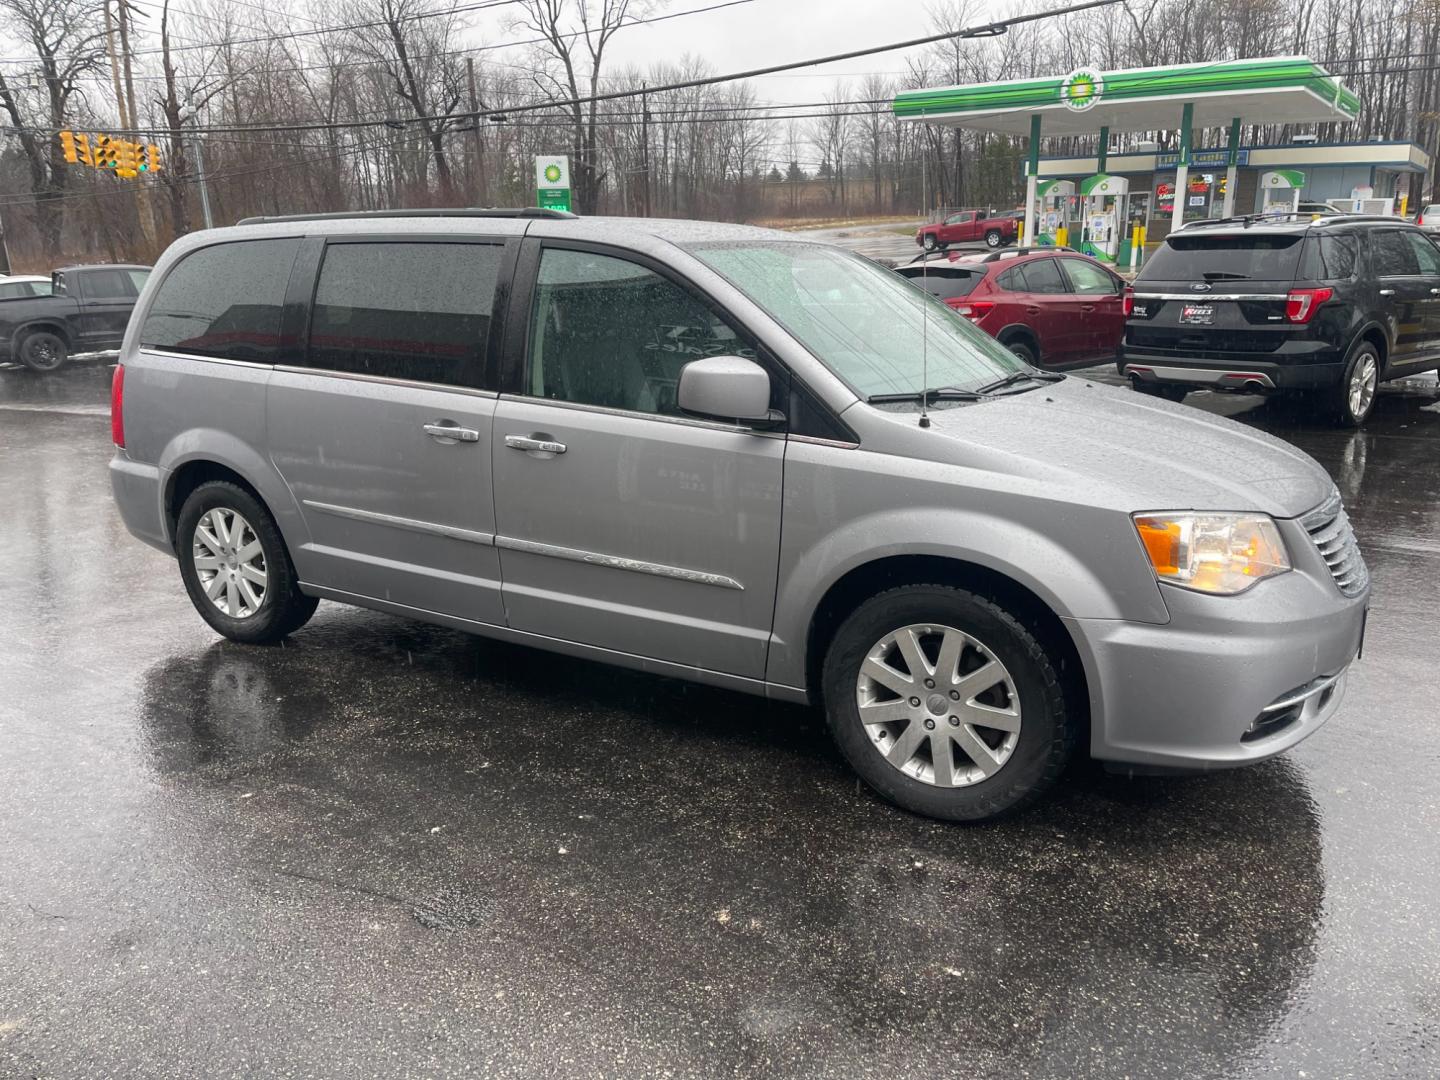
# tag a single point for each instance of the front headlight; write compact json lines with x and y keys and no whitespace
{"x":1212,"y":553}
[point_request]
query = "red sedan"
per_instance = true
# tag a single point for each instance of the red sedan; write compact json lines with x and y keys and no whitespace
{"x":1053,"y":307}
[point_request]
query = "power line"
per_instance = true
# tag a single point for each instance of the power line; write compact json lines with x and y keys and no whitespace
{"x":984,"y":30}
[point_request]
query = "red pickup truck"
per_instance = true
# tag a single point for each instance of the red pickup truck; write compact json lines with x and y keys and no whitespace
{"x":966,"y":226}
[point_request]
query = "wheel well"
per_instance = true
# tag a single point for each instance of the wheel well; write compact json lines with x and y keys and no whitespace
{"x":863,"y":582}
{"x":189,"y":477}
{"x":1376,"y":336}
{"x":52,"y":328}
{"x":1019,"y":333}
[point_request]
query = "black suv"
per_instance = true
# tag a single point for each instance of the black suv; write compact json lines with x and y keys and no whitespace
{"x":1332,"y":306}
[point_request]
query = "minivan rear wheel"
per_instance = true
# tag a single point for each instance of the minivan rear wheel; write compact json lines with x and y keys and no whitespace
{"x":1352,"y":401}
{"x":236,"y":568}
{"x":946,"y":704}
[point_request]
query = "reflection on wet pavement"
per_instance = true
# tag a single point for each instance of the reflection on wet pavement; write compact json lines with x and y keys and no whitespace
{"x":386,"y":848}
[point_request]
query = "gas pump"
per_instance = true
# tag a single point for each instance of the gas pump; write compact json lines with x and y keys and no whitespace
{"x":1104,"y":213}
{"x":1281,"y":190}
{"x":1052,"y":212}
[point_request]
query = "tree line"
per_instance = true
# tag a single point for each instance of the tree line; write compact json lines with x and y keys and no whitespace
{"x":374,"y":103}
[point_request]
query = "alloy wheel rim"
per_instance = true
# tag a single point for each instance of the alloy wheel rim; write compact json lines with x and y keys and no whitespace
{"x":44,"y":354}
{"x":1362,"y":386}
{"x":938,"y":705}
{"x":230,"y":562}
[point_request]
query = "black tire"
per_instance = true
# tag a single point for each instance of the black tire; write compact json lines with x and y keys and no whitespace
{"x":1339,"y":403}
{"x":993,"y":238}
{"x":1047,"y":733}
{"x":930,"y":243}
{"x":1023,"y":349}
{"x":1168,"y":391}
{"x":40,"y":350}
{"x":283,"y":608}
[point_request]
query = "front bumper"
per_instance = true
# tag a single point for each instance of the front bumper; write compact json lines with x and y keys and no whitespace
{"x":1229,"y":680}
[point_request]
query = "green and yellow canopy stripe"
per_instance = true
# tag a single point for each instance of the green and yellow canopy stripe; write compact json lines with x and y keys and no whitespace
{"x":1281,"y":89}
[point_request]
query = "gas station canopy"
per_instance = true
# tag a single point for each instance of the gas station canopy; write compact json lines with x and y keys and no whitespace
{"x":1273,"y":90}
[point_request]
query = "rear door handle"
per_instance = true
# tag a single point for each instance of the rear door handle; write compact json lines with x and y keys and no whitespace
{"x":1087,"y":307}
{"x":528,"y":443}
{"x":1435,"y":292}
{"x":1387,"y":292}
{"x":452,"y":432}
{"x":1031,"y":310}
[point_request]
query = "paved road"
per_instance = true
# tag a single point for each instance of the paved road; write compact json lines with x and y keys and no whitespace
{"x":386,"y":849}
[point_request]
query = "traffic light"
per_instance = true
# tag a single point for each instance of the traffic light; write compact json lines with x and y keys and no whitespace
{"x":127,"y":158}
{"x":76,"y":148}
{"x":106,"y":152}
{"x":150,"y":162}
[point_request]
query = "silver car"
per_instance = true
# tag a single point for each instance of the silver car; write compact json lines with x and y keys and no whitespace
{"x":730,"y":455}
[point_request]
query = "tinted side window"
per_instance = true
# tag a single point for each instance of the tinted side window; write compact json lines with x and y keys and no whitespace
{"x":1391,"y":254}
{"x":1043,"y":276}
{"x":1089,"y":279}
{"x":106,"y":285}
{"x":416,"y":311}
{"x":1427,"y":255}
{"x":1013,"y":280}
{"x":223,"y":301}
{"x":1330,"y":257}
{"x":606,"y":331}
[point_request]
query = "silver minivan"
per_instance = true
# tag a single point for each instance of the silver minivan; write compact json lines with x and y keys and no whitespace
{"x":734,"y":456}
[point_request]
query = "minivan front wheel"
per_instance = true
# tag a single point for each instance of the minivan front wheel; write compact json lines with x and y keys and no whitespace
{"x":946,"y":704}
{"x":1354,"y":399}
{"x":235,"y":566}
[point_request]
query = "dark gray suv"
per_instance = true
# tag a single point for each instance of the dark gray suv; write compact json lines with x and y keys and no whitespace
{"x":729,"y":455}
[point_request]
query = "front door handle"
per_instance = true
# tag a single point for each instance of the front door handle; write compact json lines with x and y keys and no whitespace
{"x":1387,"y":292}
{"x":1087,"y":307}
{"x":528,"y":443}
{"x":452,"y":432}
{"x":1032,"y":310}
{"x":1435,"y":292}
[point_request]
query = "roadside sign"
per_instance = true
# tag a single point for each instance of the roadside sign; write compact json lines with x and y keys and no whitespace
{"x":552,"y":182}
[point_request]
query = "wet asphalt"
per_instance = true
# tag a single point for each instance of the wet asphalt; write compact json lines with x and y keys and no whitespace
{"x":386,"y":849}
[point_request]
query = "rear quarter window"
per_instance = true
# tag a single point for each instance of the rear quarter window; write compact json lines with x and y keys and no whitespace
{"x":223,"y":301}
{"x":1229,"y":257}
{"x":1330,"y":257}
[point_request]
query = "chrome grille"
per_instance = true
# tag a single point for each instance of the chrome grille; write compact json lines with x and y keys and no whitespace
{"x":1330,"y":528}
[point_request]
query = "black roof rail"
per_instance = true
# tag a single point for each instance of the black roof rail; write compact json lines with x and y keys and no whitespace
{"x":428,"y":212}
{"x":991,"y":256}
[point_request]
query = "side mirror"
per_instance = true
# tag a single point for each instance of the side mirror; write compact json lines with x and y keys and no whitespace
{"x":725,"y":388}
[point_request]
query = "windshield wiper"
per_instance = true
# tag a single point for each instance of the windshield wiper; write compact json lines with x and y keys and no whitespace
{"x":938,"y":393}
{"x":1020,"y":376}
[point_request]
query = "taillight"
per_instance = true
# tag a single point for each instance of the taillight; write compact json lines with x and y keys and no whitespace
{"x":117,"y":406}
{"x":973,"y":309}
{"x":1301,"y":304}
{"x":1127,"y":302}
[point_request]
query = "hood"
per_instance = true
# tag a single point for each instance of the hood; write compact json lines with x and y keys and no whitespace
{"x":1136,"y":452}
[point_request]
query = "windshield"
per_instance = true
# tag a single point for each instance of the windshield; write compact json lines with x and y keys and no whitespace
{"x":1257,"y":257}
{"x":860,"y":320}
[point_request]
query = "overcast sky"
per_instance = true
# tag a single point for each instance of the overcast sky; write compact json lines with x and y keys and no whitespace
{"x":765,"y":32}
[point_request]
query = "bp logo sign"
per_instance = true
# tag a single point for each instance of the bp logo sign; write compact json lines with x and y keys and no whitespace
{"x":1081,"y":89}
{"x":552,"y":173}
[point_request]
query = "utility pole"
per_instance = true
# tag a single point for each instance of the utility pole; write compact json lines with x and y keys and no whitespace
{"x":645,"y":147}
{"x":130,"y":118}
{"x":115,"y":67}
{"x":200,"y":176}
{"x":480,"y":185}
